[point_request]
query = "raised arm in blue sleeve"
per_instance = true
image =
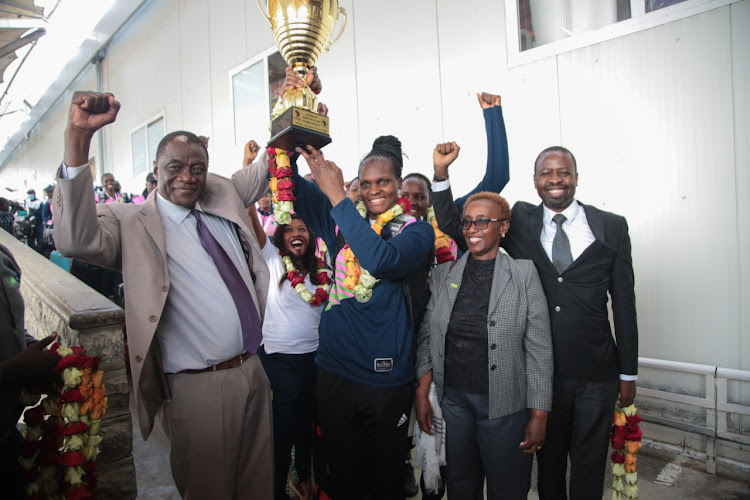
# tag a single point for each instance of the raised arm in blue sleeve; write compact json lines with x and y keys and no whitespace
{"x":396,"y":258}
{"x":313,"y":206}
{"x":497,"y":173}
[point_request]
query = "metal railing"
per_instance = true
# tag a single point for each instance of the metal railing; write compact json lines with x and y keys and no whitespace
{"x":715,"y":402}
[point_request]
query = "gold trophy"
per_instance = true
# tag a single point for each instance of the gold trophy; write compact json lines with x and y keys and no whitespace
{"x":302,"y":29}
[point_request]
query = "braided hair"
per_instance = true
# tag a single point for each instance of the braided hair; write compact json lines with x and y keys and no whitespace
{"x":386,"y":147}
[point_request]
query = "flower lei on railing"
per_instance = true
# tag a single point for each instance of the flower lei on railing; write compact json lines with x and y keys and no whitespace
{"x":442,"y":240}
{"x":626,"y":440}
{"x":281,"y":184}
{"x":61,"y":440}
{"x":298,"y":281}
{"x":358,"y":279}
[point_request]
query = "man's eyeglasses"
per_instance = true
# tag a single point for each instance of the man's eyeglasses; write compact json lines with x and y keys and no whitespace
{"x":480,"y":223}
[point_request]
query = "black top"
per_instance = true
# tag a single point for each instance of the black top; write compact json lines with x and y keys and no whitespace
{"x":466,"y":357}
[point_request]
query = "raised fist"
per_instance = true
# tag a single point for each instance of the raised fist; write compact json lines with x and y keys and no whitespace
{"x":90,"y":111}
{"x":442,"y":157}
{"x":251,"y":152}
{"x":488,"y":100}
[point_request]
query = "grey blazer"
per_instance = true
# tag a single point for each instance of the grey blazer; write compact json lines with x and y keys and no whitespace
{"x":519,"y":340}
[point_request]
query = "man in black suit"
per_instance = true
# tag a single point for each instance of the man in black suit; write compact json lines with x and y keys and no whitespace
{"x":581,"y":258}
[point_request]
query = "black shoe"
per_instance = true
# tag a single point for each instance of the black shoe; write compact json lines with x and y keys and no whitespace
{"x":410,"y":483}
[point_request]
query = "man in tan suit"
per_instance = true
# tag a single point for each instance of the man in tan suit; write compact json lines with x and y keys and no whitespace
{"x":188,"y":347}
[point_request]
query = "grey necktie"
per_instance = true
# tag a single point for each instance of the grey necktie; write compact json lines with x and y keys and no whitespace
{"x":243,"y":300}
{"x":561,"y":256}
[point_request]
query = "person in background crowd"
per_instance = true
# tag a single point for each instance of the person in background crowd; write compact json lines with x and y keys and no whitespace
{"x":150,"y":186}
{"x":47,"y":205}
{"x":6,"y":216}
{"x":126,"y":198}
{"x":352,"y":191}
{"x":33,"y":207}
{"x":583,"y":258}
{"x":23,"y":362}
{"x":487,"y":347}
{"x":290,"y":341}
{"x":107,"y":193}
{"x":196,"y":286}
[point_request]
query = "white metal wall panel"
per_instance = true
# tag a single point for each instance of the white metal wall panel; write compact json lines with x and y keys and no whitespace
{"x":397,"y":76}
{"x":740,"y":22}
{"x":650,"y":118}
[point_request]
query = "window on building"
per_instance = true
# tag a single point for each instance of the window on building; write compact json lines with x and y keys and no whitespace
{"x":143,"y":142}
{"x":255,"y":89}
{"x":561,"y":25}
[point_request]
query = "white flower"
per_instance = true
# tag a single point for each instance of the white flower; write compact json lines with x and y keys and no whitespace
{"x":64,"y":351}
{"x":282,"y":217}
{"x":616,"y":495}
{"x":631,"y":491}
{"x":71,"y":377}
{"x":366,"y":279}
{"x":618,"y":469}
{"x":618,"y":484}
{"x":631,"y":477}
{"x":70,"y":412}
{"x":74,"y":442}
{"x":73,"y":474}
{"x":630,"y":410}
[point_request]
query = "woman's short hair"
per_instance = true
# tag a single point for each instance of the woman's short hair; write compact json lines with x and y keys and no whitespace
{"x":495,"y":198}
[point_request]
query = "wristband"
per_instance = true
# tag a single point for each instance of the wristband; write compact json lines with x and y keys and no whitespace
{"x":437,"y":178}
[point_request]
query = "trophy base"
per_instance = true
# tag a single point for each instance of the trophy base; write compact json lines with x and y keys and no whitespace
{"x":299,"y":127}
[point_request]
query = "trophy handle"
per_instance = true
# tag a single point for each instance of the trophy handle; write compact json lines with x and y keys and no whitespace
{"x":341,"y":31}
{"x":263,"y":11}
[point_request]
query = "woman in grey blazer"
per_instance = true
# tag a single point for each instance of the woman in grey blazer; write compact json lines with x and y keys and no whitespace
{"x":485,"y":342}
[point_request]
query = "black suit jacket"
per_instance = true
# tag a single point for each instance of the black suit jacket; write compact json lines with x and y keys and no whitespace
{"x":581,"y":335}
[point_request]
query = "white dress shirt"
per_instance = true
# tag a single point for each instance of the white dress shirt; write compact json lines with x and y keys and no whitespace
{"x":576,"y":227}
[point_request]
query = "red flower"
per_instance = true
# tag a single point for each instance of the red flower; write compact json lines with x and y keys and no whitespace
{"x":315,"y":300}
{"x":323,"y":278}
{"x":49,"y":438}
{"x":618,"y":438}
{"x":634,"y":420}
{"x":271,"y":151}
{"x":72,"y":458}
{"x":282,"y":172}
{"x":80,"y":361}
{"x":633,"y":433}
{"x":618,"y":458}
{"x":73,"y":428}
{"x":322,"y":294}
{"x":285,"y":183}
{"x":78,"y":492}
{"x":72,"y":396}
{"x":443,"y":254}
{"x":78,"y":350}
{"x":34,"y":416}
{"x":404,"y":202}
{"x":292,"y":274}
{"x":297,"y":280}
{"x":286,"y":195}
{"x":89,"y":467}
{"x":54,"y":347}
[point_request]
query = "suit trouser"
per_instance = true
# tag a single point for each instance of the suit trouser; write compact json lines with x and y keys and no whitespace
{"x":292,"y":378}
{"x":220,"y":433}
{"x":579,"y":424}
{"x":364,"y":435}
{"x":479,"y":447}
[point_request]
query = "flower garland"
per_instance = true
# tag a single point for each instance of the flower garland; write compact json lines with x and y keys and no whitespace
{"x":626,"y":440}
{"x":358,"y":279}
{"x":298,"y":281}
{"x":442,"y":240}
{"x":281,"y":184}
{"x":61,"y":440}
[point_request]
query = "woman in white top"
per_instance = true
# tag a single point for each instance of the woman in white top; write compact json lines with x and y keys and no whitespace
{"x":297,"y":294}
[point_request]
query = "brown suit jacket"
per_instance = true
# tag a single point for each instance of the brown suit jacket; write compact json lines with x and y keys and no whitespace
{"x":131,"y":238}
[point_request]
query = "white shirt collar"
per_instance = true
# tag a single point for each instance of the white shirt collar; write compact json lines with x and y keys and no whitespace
{"x":175,"y":212}
{"x":570,"y":213}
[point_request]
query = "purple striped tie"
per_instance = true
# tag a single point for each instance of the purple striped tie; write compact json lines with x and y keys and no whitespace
{"x":243,"y":300}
